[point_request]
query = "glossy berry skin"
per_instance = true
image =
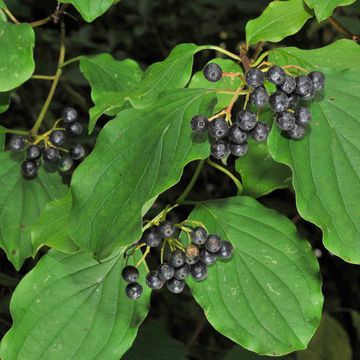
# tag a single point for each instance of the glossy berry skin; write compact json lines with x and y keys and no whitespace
{"x":130,"y":274}
{"x":218,"y":128}
{"x":69,"y":115}
{"x":302,"y":116}
{"x":199,"y":271}
{"x":259,"y":97}
{"x":289,"y":85}
{"x":166,"y":229}
{"x":77,"y":152}
{"x":261,"y":132}
{"x":29,"y":169}
{"x":33,"y":152}
{"x":318,"y":80}
{"x":212,"y":72}
{"x":74,"y":129}
{"x":238,"y":150}
{"x":192,"y":254}
{"x":153,"y":281}
{"x":278,"y":101}
{"x":151,"y":238}
{"x":199,"y":123}
{"x":246,"y":120}
{"x":297,"y":132}
{"x":285,"y":120}
{"x":65,"y":163}
{"x":226,"y":250}
{"x":213,"y":243}
{"x":207,"y":257}
{"x":303,"y":85}
{"x":236,"y":135}
{"x":133,"y":290}
{"x":51,"y":155}
{"x":276,"y":75}
{"x":311,"y":95}
{"x":198,"y":235}
{"x":182,"y":273}
{"x":293,"y":101}
{"x":175,"y":286}
{"x":57,"y":137}
{"x":219,"y":149}
{"x":177,"y":259}
{"x":254,"y":78}
{"x":16,"y":143}
{"x":165,"y":271}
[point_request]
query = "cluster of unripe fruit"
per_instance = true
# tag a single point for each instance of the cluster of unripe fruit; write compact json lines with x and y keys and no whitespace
{"x":49,"y":146}
{"x":192,"y":261}
{"x":290,"y":115}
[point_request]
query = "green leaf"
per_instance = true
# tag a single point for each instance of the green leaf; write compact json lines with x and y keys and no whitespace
{"x":16,"y":54}
{"x":267,"y":298}
{"x":51,"y":227}
{"x":330,"y":342}
{"x":90,"y":9}
{"x":2,"y":4}
{"x":72,"y":307}
{"x":260,"y":174}
{"x":324,"y":8}
{"x":172,"y":73}
{"x":279,"y":20}
{"x":326,"y":164}
{"x":138,"y":155}
{"x":154,"y":342}
{"x":4,"y":101}
{"x":2,"y":139}
{"x":21,"y":202}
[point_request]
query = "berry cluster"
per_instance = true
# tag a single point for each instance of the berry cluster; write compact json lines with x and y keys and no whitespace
{"x":232,"y":137}
{"x":49,"y":146}
{"x":193,"y":261}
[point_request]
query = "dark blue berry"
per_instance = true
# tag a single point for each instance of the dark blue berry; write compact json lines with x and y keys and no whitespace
{"x":130,"y":274}
{"x":207,"y":257}
{"x":65,"y":163}
{"x":69,"y":115}
{"x":311,"y":95}
{"x":165,"y":271}
{"x":33,"y":152}
{"x":212,"y":72}
{"x":278,"y":101}
{"x":51,"y":155}
{"x":246,"y":120}
{"x":133,"y":291}
{"x":289,"y":85}
{"x":177,"y":259}
{"x":276,"y":75}
{"x":57,"y":137}
{"x":254,"y":78}
{"x":29,"y":169}
{"x":175,"y":286}
{"x":74,"y":129}
{"x":166,"y":229}
{"x":285,"y":120}
{"x":198,"y":235}
{"x":297,"y":132}
{"x":16,"y":142}
{"x":293,"y":101}
{"x":236,"y":135}
{"x":220,"y":149}
{"x":199,"y":271}
{"x":238,"y":150}
{"x":199,"y":123}
{"x":261,"y":131}
{"x":302,"y":116}
{"x":77,"y":152}
{"x":259,"y":97}
{"x":218,"y":128}
{"x":303,"y":85}
{"x":151,"y":238}
{"x":213,"y":243}
{"x":153,"y":280}
{"x":182,"y":273}
{"x":226,"y":250}
{"x":318,"y":80}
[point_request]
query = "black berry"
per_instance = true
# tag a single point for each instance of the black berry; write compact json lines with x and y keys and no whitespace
{"x":182,"y":273}
{"x":69,"y":115}
{"x":65,"y":163}
{"x":199,"y":271}
{"x":293,"y":101}
{"x":288,"y":85}
{"x":151,"y":238}
{"x":177,"y":259}
{"x":16,"y":142}
{"x":153,"y":280}
{"x":261,"y":132}
{"x":318,"y":80}
{"x":297,"y":132}
{"x":278,"y":101}
{"x":238,"y":150}
{"x":259,"y":97}
{"x":220,"y":149}
{"x":254,"y":78}
{"x":285,"y":120}
{"x":198,"y":235}
{"x":213,"y":243}
{"x":133,"y":291}
{"x":166,"y":229}
{"x":51,"y":155}
{"x":199,"y":123}
{"x":165,"y":271}
{"x":310,"y":95}
{"x":218,"y":128}
{"x":77,"y":152}
{"x":236,"y":135}
{"x":246,"y":120}
{"x":74,"y":129}
{"x":207,"y":257}
{"x":302,"y":116}
{"x":175,"y":286}
{"x":130,"y":274}
{"x":303,"y":85}
{"x":212,"y":72}
{"x":33,"y":152}
{"x":29,"y":169}
{"x":276,"y":75}
{"x":57,"y":137}
{"x":226,"y":250}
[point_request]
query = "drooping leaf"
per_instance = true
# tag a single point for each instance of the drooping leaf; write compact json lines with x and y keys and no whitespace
{"x":21,"y":202}
{"x":90,"y":9}
{"x":4,"y":101}
{"x":72,"y":307}
{"x":51,"y":227}
{"x":324,"y":8}
{"x":16,"y":54}
{"x":326,"y":164}
{"x":172,"y":73}
{"x":267,"y":298}
{"x":138,"y":155}
{"x":279,"y":20}
{"x":260,"y":174}
{"x":330,"y":342}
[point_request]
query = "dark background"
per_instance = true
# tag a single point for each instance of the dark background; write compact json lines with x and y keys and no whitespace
{"x":146,"y":31}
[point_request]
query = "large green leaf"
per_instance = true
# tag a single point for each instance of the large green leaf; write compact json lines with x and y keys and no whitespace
{"x":267,"y":298}
{"x":21,"y":202}
{"x":172,"y":73}
{"x":324,"y":8}
{"x":16,"y":54}
{"x":326,"y":164}
{"x":279,"y":19}
{"x":138,"y":155}
{"x":90,"y":9}
{"x":260,"y":174}
{"x":73,"y":307}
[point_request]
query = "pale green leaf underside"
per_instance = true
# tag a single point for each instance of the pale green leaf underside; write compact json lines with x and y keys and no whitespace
{"x":267,"y":298}
{"x":279,"y":20}
{"x":16,"y":54}
{"x":21,"y":202}
{"x":324,"y":8}
{"x":72,"y":307}
{"x":138,"y":155}
{"x":326,"y":164}
{"x":90,"y":9}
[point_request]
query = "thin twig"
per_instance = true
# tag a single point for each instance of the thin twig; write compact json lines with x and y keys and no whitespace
{"x":343,"y":30}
